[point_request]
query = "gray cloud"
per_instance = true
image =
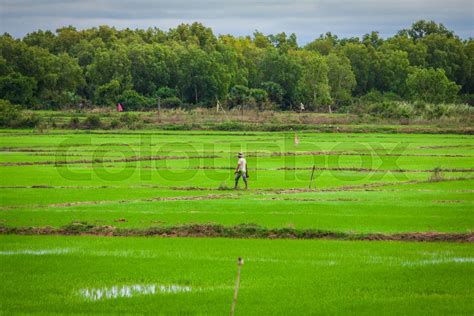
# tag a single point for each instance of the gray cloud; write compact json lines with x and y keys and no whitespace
{"x":306,"y":18}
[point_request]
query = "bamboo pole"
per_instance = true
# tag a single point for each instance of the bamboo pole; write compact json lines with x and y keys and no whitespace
{"x":240,"y":262}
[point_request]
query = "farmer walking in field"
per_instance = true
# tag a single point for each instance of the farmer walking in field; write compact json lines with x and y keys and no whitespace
{"x":241,"y":171}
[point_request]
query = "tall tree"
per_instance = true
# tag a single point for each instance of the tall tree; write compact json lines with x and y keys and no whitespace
{"x":341,"y":78}
{"x":199,"y":75}
{"x":423,"y":28}
{"x":313,"y":88}
{"x":359,"y":57}
{"x":283,"y":69}
{"x":394,"y":67}
{"x":431,"y":85}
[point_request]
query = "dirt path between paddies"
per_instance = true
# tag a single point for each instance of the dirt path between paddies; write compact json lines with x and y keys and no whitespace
{"x":238,"y":231}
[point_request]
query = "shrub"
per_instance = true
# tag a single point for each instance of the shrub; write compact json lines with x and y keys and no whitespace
{"x":131,"y":121}
{"x":403,"y":111}
{"x":260,"y":96}
{"x":165,"y":92}
{"x":128,"y":118}
{"x":274,"y":90}
{"x":230,"y":126}
{"x":9,"y":113}
{"x":238,"y":95}
{"x":107,"y":94}
{"x":132,"y":100}
{"x":437,"y":111}
{"x":115,"y":123}
{"x":375,"y":96}
{"x":392,"y":96}
{"x":17,"y":88}
{"x":14,"y":116}
{"x":52,"y":122}
{"x":466,"y":99}
{"x":74,"y":122}
{"x":431,"y":85}
{"x":390,"y":109}
{"x":30,"y":120}
{"x":372,"y":96}
{"x":92,"y":122}
{"x":434,"y":111}
{"x":459,"y":110}
{"x":171,"y":102}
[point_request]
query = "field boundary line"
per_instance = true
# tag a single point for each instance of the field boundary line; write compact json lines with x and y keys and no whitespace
{"x":244,"y":231}
{"x":87,"y":161}
{"x":153,"y":199}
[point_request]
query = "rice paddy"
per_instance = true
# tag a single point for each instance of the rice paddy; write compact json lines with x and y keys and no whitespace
{"x":122,"y":182}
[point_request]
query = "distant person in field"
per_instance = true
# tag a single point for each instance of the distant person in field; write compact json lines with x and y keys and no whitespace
{"x":241,"y":171}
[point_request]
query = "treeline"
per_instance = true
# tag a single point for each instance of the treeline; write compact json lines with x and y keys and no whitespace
{"x":190,"y":66}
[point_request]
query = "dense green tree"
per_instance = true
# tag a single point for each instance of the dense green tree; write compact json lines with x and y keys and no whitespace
{"x":274,"y":91}
{"x":431,"y":85}
{"x":108,"y":66}
{"x":373,"y":39}
{"x":107,"y":34}
{"x":360,"y":59}
{"x":249,"y":56}
{"x":468,"y":87}
{"x":199,"y":76}
{"x":53,"y":75}
{"x":341,"y":78}
{"x":195,"y":34}
{"x":447,"y":53}
{"x":108,"y":93}
{"x":417,"y":51}
{"x":17,"y":88}
{"x":243,"y":96}
{"x":259,"y":95}
{"x":148,"y":67}
{"x":46,"y":40}
{"x":283,"y":42}
{"x":423,"y":28}
{"x":238,"y":95}
{"x":132,"y":100}
{"x":99,"y":65}
{"x":324,"y":44}
{"x":394,"y":67}
{"x":260,"y":40}
{"x":5,"y":67}
{"x":313,"y":86}
{"x":165,"y":92}
{"x":283,"y":69}
{"x":67,"y":37}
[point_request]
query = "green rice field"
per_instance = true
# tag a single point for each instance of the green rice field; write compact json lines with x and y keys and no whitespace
{"x":124,"y":181}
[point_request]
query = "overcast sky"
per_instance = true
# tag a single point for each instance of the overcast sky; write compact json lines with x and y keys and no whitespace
{"x":306,"y":18}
